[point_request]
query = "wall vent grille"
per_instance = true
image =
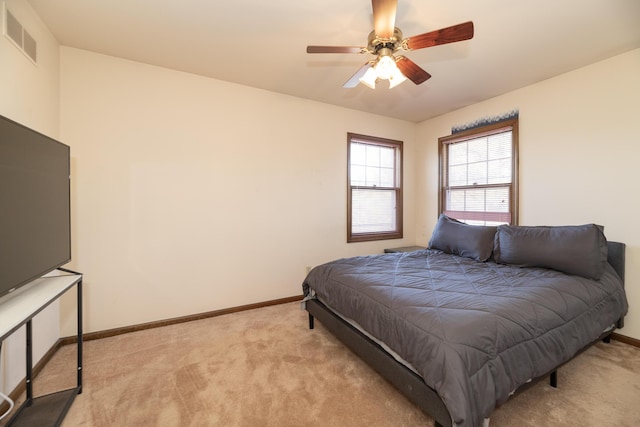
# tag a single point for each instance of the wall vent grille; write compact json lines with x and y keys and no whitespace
{"x":15,"y":32}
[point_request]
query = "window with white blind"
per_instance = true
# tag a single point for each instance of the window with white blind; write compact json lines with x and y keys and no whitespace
{"x":374,"y":182}
{"x":479,"y":174}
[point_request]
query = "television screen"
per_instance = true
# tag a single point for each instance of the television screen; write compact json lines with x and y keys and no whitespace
{"x":35,"y":231}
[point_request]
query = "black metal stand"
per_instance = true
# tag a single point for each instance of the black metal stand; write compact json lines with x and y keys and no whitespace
{"x":553,"y":379}
{"x":50,"y":409}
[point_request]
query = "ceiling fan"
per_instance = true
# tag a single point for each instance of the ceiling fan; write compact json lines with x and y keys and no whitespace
{"x":385,"y":40}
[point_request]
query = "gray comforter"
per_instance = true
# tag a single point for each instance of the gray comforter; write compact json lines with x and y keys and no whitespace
{"x":474,"y":331}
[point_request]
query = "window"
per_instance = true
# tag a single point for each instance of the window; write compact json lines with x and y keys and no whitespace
{"x":479,"y":174}
{"x":374,"y":182}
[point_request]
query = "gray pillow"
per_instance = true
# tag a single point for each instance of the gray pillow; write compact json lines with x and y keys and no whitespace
{"x":455,"y":237}
{"x":578,"y":249}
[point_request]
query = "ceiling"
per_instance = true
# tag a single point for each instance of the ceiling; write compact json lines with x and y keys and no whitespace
{"x":263,"y":44}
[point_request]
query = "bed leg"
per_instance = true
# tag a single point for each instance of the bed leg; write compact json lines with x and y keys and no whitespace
{"x":436,"y":424}
{"x":553,"y":380}
{"x":607,"y":339}
{"x":310,"y":321}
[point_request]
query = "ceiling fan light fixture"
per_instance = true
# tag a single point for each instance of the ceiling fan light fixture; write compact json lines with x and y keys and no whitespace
{"x":369,"y":78}
{"x":385,"y":67}
{"x":396,"y":78}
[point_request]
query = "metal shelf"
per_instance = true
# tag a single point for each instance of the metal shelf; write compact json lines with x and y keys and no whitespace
{"x":18,"y":309}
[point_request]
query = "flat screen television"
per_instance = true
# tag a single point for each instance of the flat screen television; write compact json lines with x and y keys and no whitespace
{"x":35,"y":229}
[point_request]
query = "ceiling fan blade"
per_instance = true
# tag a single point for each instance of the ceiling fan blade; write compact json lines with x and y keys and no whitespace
{"x":335,"y":49}
{"x":355,"y":79}
{"x":411,"y":70}
{"x":384,"y":17}
{"x":451,"y":34}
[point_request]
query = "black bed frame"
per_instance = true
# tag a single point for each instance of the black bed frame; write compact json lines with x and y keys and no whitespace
{"x":405,"y":380}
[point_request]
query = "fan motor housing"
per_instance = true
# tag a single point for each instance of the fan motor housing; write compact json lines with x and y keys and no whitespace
{"x":376,"y":43}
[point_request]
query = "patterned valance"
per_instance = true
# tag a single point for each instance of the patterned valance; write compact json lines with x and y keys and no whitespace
{"x":485,"y":121}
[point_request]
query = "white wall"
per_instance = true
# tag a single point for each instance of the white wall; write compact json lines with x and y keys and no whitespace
{"x":29,"y":95}
{"x":579,"y":152}
{"x":193,"y":194}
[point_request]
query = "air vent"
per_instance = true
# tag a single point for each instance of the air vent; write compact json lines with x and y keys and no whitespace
{"x":15,"y":32}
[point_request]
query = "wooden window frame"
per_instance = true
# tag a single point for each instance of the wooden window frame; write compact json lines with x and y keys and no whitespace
{"x":385,"y":235}
{"x":490,"y":129}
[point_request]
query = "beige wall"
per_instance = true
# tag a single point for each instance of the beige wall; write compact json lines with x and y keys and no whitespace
{"x":193,"y":194}
{"x":579,"y":149}
{"x":29,"y":95}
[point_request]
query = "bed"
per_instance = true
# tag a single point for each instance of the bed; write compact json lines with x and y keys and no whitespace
{"x":460,"y":326}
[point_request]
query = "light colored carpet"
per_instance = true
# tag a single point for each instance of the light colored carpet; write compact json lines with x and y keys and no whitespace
{"x":265,"y":367}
